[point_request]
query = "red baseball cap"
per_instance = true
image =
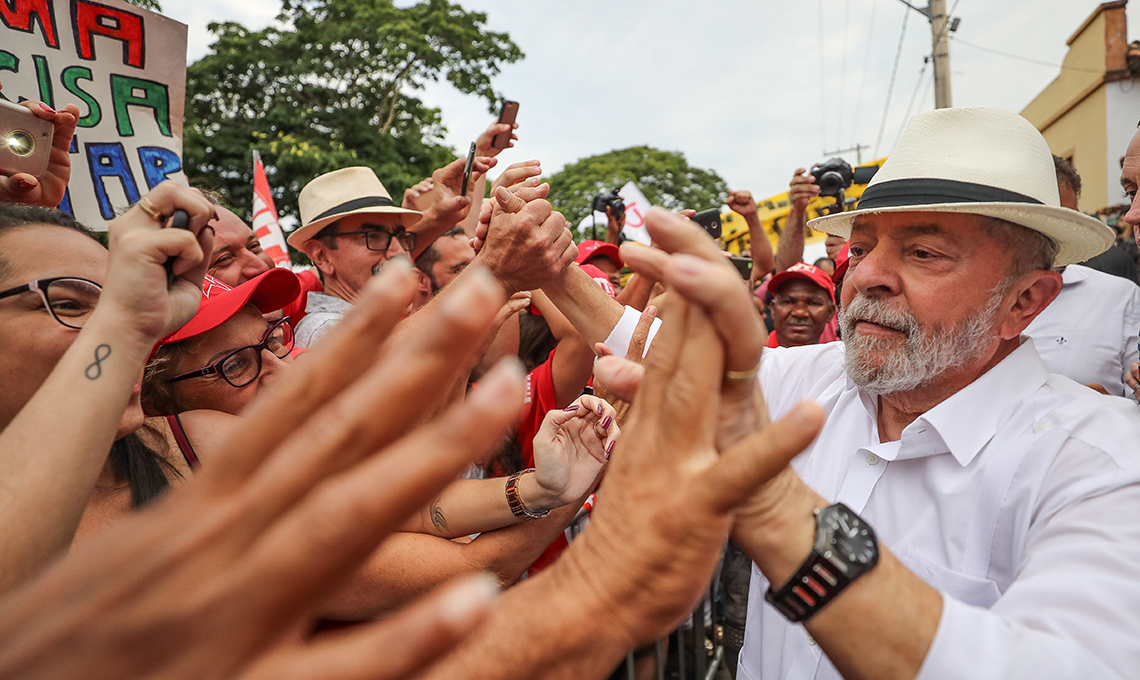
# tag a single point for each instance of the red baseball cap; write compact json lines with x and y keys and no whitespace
{"x":841,"y":262}
{"x":267,"y":292}
{"x":803,"y":270}
{"x":591,"y":249}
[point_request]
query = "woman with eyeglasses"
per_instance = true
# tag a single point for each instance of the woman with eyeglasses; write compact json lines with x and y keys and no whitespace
{"x":228,"y":352}
{"x":76,"y":326}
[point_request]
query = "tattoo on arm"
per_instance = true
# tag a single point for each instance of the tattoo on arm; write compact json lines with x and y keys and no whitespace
{"x":437,"y":518}
{"x":95,"y":368}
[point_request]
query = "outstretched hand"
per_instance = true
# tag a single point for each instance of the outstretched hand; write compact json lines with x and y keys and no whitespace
{"x":220,"y":578}
{"x":522,"y":240}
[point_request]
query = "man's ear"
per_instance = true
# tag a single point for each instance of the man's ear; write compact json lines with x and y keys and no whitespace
{"x":1028,"y":298}
{"x":319,"y":254}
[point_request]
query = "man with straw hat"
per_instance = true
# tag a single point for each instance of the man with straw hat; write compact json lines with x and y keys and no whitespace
{"x":962,"y":512}
{"x":351,"y":227}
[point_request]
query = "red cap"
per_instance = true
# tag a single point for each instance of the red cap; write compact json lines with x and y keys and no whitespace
{"x":591,"y":249}
{"x":841,"y":259}
{"x":600,"y":277}
{"x":267,"y":292}
{"x":803,"y":270}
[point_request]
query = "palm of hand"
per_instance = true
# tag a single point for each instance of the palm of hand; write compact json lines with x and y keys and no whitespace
{"x":568,"y":465}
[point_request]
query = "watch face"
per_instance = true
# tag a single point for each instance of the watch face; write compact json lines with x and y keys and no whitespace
{"x":850,"y":539}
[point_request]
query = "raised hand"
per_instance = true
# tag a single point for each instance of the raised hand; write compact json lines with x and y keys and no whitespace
{"x":47,"y":190}
{"x":522,"y":240}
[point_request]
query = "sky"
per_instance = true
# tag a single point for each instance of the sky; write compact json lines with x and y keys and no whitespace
{"x":751,"y":89}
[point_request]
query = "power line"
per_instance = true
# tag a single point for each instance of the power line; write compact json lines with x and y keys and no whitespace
{"x":1028,"y":59}
{"x":863,"y":74}
{"x":913,"y":95}
{"x":891,"y":86}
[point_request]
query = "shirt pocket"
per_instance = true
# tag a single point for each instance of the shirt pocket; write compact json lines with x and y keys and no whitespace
{"x":972,"y":590}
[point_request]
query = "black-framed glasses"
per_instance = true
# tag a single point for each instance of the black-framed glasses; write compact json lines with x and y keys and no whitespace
{"x":69,"y":299}
{"x":242,"y":366}
{"x":379,"y":239}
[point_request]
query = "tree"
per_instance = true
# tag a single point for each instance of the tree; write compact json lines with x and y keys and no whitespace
{"x":152,"y":5}
{"x":665,"y":177}
{"x":329,"y":86}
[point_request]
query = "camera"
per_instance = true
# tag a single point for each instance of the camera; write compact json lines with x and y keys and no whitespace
{"x":833,"y":177}
{"x":25,"y":140}
{"x":610,"y":198}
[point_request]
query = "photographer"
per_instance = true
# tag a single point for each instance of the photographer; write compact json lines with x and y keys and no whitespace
{"x":613,"y":206}
{"x":48,"y":189}
{"x":801,"y":190}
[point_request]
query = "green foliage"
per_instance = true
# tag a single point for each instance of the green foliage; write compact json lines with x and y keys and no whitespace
{"x":152,"y":5}
{"x":329,"y":86}
{"x":665,"y":177}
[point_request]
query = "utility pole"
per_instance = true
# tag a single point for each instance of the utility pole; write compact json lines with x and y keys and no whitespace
{"x":941,"y":26}
{"x":940,"y":32}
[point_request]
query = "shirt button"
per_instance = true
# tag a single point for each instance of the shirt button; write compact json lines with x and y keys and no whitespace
{"x":810,"y":641}
{"x":1040,"y":427}
{"x":872,"y":459}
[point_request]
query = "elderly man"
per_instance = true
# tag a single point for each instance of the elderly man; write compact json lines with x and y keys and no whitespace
{"x":803,"y":304}
{"x":967,"y":510}
{"x":1130,"y":180}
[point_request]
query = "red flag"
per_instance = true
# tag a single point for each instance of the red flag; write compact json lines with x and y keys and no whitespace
{"x":265,"y":223}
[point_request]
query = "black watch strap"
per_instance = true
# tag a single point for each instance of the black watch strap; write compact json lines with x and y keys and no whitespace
{"x":813,"y":585}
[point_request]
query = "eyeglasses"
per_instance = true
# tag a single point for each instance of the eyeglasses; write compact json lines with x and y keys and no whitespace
{"x":378,"y":239}
{"x":242,"y":366}
{"x":69,"y":300}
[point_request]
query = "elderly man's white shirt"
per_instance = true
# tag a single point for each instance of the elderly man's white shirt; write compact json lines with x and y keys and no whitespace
{"x":1090,"y":332}
{"x":1017,"y":498}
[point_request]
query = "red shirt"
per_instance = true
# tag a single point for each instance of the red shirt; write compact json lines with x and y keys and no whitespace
{"x":538,"y":400}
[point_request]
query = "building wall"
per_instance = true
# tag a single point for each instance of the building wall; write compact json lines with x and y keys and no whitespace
{"x":1122,"y":112}
{"x":1080,"y":135}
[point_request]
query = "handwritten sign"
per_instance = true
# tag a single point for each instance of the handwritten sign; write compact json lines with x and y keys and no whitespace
{"x":125,"y":68}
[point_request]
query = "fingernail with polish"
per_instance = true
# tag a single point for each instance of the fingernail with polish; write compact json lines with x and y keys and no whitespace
{"x":25,"y":184}
{"x":571,"y":408}
{"x":607,"y":422}
{"x":600,"y":409}
{"x":610,"y":450}
{"x":47,"y":108}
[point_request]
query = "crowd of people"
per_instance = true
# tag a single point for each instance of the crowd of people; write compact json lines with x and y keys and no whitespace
{"x":916,"y":457}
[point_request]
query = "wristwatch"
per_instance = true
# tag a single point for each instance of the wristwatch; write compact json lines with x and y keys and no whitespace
{"x":515,"y":502}
{"x":845,"y":549}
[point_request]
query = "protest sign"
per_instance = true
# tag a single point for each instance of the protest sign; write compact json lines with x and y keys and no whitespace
{"x":125,"y":68}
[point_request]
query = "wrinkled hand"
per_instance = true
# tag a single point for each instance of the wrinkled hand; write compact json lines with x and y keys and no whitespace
{"x":448,"y":205}
{"x":220,"y":577}
{"x":742,"y":203}
{"x":47,"y":190}
{"x":518,"y":175}
{"x":667,"y":503}
{"x":483,"y":141}
{"x":521,"y":239}
{"x":1133,"y":380}
{"x":136,"y":282}
{"x":801,"y":190}
{"x":694,"y":267}
{"x":572,"y":447}
{"x":416,"y":197}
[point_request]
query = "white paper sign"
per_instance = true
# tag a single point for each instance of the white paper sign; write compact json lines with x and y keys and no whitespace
{"x":125,"y":68}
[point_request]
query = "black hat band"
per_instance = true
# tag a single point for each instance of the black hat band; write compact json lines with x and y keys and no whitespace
{"x":355,"y":204}
{"x":924,"y":191}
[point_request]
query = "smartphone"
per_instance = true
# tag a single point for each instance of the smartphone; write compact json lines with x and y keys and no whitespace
{"x":506,"y":115}
{"x":743,"y":266}
{"x":710,"y":220}
{"x":25,"y":140}
{"x":467,"y":169}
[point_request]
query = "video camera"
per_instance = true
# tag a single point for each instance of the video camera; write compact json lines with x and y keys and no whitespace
{"x":835,"y":175}
{"x":610,"y":198}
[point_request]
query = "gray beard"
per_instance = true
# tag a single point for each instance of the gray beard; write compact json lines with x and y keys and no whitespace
{"x":926,"y":354}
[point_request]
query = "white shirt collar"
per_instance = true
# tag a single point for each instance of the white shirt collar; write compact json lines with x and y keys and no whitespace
{"x":965,"y":422}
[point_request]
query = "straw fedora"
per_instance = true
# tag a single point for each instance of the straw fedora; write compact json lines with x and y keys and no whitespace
{"x":348,"y":191}
{"x":978,"y":161}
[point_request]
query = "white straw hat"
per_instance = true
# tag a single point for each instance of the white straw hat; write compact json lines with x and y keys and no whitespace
{"x":348,"y":191}
{"x":979,"y":161}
